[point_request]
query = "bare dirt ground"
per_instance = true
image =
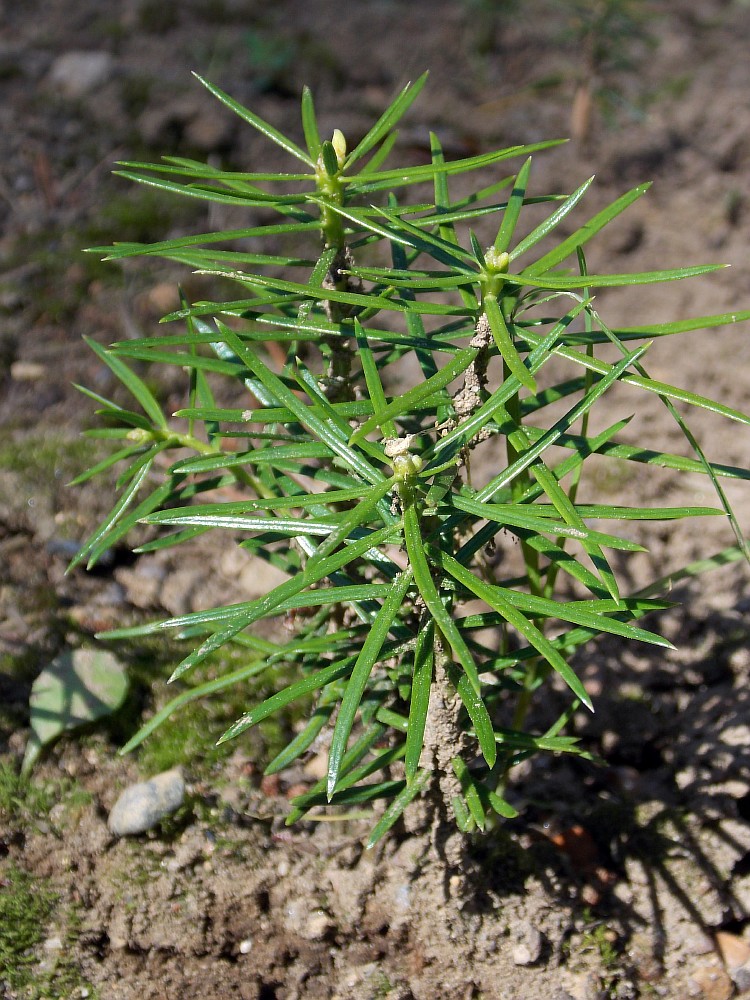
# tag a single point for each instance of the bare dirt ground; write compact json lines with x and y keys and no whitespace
{"x":625,"y":880}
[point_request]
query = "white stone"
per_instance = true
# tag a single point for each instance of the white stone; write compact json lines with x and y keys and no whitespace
{"x":78,"y":73}
{"x":143,"y":805}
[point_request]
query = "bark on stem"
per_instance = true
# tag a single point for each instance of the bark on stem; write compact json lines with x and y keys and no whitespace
{"x":443,"y":740}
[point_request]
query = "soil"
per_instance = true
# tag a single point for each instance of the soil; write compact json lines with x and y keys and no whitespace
{"x":624,"y":879}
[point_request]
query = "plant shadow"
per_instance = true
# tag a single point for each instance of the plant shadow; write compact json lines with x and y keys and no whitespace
{"x":656,"y":841}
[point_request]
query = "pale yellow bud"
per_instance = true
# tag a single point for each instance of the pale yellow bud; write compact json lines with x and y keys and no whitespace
{"x":498,"y":262}
{"x":339,"y":144}
{"x":139,"y":435}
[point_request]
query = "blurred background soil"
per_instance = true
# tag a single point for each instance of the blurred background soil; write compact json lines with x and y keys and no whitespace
{"x":625,"y":880}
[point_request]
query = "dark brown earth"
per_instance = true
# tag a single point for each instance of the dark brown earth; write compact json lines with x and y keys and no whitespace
{"x":630,"y":879}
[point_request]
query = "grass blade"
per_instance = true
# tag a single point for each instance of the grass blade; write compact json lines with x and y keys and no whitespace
{"x":285,"y":697}
{"x":549,"y":437}
{"x":193,"y":694}
{"x":307,"y":415}
{"x":372,"y":380}
{"x":572,"y":516}
{"x":102,"y":533}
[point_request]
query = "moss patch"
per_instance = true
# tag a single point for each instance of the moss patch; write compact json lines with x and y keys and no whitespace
{"x":25,"y":909}
{"x":28,"y":907}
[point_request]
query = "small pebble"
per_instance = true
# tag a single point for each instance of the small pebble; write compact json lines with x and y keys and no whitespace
{"x":529,"y":949}
{"x":142,"y":806}
{"x":734,"y":950}
{"x":402,"y":896}
{"x":710,"y":983}
{"x":313,"y":925}
{"x":77,"y":73}
{"x":316,"y":927}
{"x":27,"y":371}
{"x":246,"y":946}
{"x":270,"y":785}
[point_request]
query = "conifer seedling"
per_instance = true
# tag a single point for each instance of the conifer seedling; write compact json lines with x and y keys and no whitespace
{"x":359,"y":487}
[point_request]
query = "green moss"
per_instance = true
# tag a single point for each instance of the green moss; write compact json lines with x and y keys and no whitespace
{"x":47,"y":458}
{"x":64,"y":981}
{"x":139,"y":867}
{"x":25,"y":909}
{"x":22,"y":800}
{"x":189,"y":735}
{"x":598,"y":937}
{"x":28,"y":909}
{"x":186,"y":737}
{"x":25,"y":802}
{"x":382,"y":986}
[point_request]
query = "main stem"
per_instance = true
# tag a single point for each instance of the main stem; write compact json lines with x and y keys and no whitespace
{"x":443,"y":740}
{"x":337,"y":378}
